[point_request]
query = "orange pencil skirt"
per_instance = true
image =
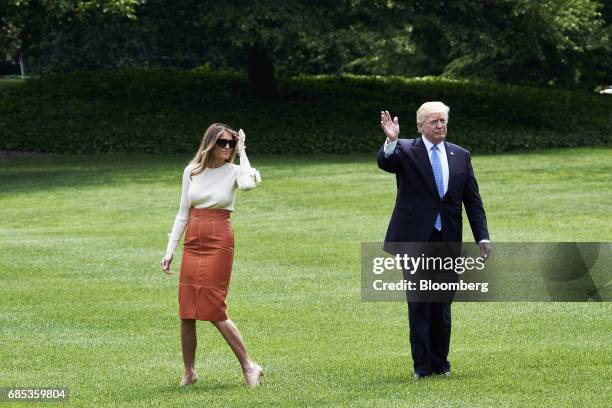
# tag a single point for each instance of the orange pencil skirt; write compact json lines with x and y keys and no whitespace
{"x":206,"y":267}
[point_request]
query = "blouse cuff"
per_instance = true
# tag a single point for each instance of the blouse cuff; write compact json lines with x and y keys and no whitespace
{"x":248,"y":178}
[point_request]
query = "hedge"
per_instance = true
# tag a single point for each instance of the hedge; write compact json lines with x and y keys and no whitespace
{"x":167,"y":110}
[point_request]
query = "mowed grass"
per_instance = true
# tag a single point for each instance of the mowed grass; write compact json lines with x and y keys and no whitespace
{"x":9,"y":82}
{"x":84,"y":303}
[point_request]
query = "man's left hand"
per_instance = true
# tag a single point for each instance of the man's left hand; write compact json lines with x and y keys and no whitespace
{"x":485,"y":250}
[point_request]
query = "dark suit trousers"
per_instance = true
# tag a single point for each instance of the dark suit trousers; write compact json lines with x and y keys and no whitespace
{"x":430,"y":332}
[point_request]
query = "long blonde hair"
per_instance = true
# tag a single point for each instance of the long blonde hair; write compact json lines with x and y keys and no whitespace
{"x":211,"y":135}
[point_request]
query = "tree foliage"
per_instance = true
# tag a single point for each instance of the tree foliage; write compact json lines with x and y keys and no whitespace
{"x":26,"y":26}
{"x":548,"y":41}
{"x":558,"y":42}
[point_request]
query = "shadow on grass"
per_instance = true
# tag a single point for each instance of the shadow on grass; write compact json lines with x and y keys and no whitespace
{"x":43,"y":180}
{"x":197,"y":388}
{"x":408,"y":380}
{"x":75,"y":171}
{"x":70,"y":171}
{"x":61,"y":171}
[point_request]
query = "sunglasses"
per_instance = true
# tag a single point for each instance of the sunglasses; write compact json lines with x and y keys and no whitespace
{"x":226,"y":142}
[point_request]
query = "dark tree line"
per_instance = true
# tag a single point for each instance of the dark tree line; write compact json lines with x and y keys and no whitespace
{"x":557,"y":42}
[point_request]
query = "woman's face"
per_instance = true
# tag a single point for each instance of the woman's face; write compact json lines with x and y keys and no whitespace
{"x":223,"y":152}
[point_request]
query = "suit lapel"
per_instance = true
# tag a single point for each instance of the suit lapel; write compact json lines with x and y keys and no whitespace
{"x":422,"y":158}
{"x":450,"y":157}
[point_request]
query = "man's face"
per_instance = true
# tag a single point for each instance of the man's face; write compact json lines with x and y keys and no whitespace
{"x":434,"y":127}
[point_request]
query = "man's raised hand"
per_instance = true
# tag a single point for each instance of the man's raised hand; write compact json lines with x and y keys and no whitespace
{"x":390,"y":127}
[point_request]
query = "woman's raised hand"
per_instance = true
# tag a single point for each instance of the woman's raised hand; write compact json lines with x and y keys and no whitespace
{"x":241,"y":141}
{"x":390,"y":127}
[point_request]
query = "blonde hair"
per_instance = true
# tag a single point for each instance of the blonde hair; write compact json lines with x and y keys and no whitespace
{"x":211,"y":135}
{"x":429,"y":108}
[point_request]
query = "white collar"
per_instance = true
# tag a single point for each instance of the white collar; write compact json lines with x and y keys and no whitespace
{"x":429,"y":145}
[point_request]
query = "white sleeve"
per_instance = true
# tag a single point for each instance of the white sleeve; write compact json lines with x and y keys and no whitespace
{"x":180,"y":222}
{"x":390,"y":147}
{"x":248,"y":177}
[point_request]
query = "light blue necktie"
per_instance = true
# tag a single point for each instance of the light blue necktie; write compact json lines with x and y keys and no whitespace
{"x":437,"y":171}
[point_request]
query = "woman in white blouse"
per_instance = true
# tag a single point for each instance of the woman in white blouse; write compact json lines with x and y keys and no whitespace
{"x":207,"y":200}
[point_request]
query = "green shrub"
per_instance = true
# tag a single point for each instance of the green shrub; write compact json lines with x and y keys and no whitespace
{"x":168,"y":110}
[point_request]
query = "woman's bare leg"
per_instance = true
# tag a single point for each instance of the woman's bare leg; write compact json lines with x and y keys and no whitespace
{"x":189,"y":342}
{"x":231,"y":334}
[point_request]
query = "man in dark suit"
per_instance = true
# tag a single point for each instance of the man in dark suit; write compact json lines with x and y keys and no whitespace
{"x":434,"y":178}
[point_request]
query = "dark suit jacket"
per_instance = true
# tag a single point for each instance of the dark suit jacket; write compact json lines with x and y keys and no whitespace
{"x":418,"y":201}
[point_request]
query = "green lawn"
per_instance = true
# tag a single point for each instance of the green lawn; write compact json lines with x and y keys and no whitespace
{"x":83,"y":302}
{"x":9,"y":82}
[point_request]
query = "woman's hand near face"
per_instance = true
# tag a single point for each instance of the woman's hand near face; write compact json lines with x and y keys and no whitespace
{"x":241,"y":140}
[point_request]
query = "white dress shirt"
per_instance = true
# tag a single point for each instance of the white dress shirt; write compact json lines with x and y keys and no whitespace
{"x":390,"y":147}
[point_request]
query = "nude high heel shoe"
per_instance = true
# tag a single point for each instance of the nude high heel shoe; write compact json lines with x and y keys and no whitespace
{"x":253,"y":376}
{"x":188,"y":381}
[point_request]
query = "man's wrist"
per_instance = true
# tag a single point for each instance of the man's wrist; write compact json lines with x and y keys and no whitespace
{"x":389,"y":141}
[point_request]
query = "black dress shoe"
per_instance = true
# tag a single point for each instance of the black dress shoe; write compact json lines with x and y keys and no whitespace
{"x":418,"y":376}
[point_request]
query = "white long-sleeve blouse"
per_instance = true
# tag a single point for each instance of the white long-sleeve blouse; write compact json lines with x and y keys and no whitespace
{"x":213,"y":188}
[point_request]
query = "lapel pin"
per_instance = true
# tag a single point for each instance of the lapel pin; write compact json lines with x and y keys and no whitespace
{"x":452,"y":154}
